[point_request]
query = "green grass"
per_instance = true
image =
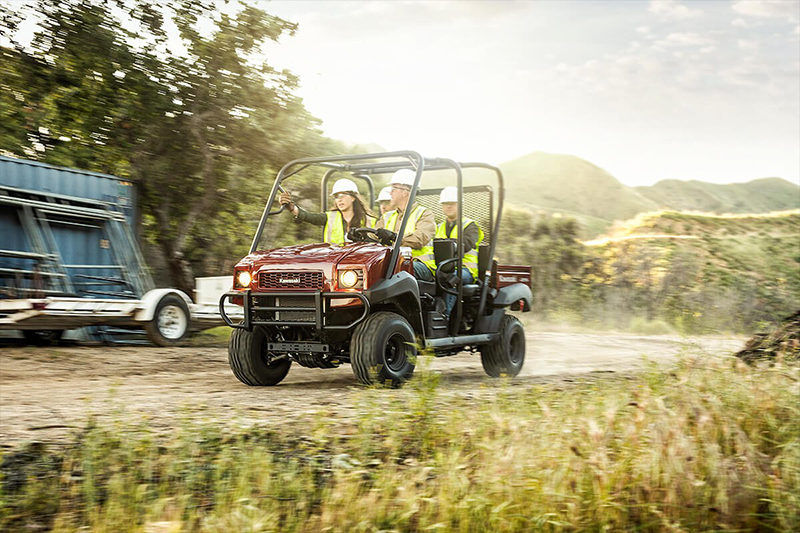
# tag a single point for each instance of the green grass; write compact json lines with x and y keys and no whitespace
{"x":211,"y":337}
{"x":711,"y":444}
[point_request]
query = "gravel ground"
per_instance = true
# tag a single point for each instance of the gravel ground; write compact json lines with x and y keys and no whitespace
{"x":48,"y":393}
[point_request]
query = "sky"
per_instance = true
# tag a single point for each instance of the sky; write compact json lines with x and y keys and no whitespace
{"x":647,"y":90}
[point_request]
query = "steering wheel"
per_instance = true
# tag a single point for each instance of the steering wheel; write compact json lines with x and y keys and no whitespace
{"x":448,"y":281}
{"x":365,"y":235}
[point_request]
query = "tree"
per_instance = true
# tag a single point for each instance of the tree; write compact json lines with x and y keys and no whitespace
{"x":198,"y":119}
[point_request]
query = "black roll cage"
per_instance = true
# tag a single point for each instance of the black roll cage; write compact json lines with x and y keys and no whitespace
{"x":364,"y":166}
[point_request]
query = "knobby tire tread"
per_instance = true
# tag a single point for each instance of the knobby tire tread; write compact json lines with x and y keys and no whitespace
{"x":242,"y":362}
{"x":493,"y":356}
{"x":364,"y":358}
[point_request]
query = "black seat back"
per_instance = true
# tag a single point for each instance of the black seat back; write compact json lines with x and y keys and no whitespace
{"x":444,"y":249}
{"x":483,"y":259}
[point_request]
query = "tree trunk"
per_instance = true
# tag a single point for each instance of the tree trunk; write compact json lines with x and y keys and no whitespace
{"x":180,"y":271}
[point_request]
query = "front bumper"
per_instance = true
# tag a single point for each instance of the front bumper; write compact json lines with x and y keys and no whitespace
{"x":320,"y":309}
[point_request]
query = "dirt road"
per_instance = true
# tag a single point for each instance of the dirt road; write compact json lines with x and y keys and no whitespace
{"x":48,"y":393}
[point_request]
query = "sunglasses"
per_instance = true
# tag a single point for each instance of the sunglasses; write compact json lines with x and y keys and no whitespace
{"x":340,"y":195}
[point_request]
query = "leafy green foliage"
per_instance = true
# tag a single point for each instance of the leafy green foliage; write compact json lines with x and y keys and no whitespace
{"x":199,"y":120}
{"x":697,"y":273}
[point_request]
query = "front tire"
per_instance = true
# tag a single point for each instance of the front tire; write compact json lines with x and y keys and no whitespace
{"x":506,"y":356}
{"x":383,"y":350}
{"x":248,"y":358}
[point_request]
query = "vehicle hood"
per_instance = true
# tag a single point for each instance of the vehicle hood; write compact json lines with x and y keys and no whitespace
{"x":316,"y":254}
{"x":319,"y":257}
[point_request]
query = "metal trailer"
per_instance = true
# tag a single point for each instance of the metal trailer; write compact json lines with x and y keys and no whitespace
{"x":69,"y":259}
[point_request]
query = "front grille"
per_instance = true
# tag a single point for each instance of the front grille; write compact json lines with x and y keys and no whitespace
{"x":296,"y":316}
{"x":290,"y":280}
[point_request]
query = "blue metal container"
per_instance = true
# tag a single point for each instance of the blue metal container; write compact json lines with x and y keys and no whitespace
{"x":35,"y":176}
{"x":67,"y":232}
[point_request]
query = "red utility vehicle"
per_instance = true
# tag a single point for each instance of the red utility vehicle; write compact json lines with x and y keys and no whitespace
{"x":322,"y":305}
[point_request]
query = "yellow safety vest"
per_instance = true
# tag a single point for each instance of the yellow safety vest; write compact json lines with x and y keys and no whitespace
{"x":424,"y":254}
{"x":334,"y":226}
{"x":470,"y":260}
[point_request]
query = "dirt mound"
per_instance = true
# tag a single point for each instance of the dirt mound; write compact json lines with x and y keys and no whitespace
{"x":783,"y":342}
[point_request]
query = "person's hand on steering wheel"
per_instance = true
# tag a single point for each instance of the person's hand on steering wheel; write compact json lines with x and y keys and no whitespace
{"x":386,"y":237}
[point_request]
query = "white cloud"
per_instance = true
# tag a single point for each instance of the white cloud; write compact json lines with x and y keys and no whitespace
{"x":643,"y":29}
{"x":686,"y":39}
{"x":797,"y":30}
{"x":673,"y":9}
{"x":767,"y":8}
{"x":749,"y":46}
{"x":740,"y":23}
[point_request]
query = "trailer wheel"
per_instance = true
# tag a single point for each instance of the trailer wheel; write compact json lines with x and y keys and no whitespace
{"x":383,"y":349}
{"x":506,"y":356}
{"x":42,"y":337}
{"x":170,"y":323}
{"x":249,"y":359}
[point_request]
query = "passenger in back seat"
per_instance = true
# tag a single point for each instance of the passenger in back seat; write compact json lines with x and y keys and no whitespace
{"x":473,"y":236}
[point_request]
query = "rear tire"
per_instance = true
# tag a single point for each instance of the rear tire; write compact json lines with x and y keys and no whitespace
{"x":383,"y":350}
{"x":42,"y":337}
{"x":506,"y":356}
{"x":171,"y":322}
{"x":247,"y":356}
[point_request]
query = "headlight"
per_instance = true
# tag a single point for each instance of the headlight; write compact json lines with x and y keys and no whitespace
{"x":348,"y":279}
{"x":243,"y":279}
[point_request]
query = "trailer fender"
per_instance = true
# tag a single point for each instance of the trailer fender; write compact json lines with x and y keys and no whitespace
{"x":150,"y":300}
{"x":514,"y":293}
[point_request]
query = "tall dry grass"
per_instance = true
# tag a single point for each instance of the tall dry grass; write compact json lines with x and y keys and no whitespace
{"x":708,"y":445}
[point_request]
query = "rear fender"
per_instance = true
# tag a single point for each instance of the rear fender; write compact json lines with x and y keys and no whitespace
{"x":514,"y":293}
{"x":150,"y":300}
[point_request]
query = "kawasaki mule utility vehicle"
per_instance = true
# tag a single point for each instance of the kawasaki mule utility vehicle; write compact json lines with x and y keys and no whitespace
{"x":322,"y":305}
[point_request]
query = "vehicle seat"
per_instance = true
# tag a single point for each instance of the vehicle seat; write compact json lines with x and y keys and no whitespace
{"x":473,"y":289}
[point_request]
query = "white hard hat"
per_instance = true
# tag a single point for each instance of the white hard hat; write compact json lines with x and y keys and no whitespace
{"x":448,"y":194}
{"x":344,"y":185}
{"x":404,"y":176}
{"x":385,"y":195}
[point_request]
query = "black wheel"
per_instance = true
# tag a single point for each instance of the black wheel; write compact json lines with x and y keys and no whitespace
{"x":170,"y":323}
{"x":506,"y":356}
{"x":42,"y":337}
{"x":250,"y":360}
{"x":383,"y":350}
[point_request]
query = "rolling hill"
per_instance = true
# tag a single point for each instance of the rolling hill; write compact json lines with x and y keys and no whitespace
{"x":558,"y":183}
{"x":757,"y":196}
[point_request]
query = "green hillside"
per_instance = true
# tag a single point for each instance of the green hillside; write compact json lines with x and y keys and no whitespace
{"x":572,"y":186}
{"x":757,"y":196}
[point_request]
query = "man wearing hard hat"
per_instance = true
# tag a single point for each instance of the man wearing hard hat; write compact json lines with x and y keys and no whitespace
{"x":350,"y":212}
{"x":385,"y":200}
{"x":419,"y":230}
{"x":473,"y":237}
